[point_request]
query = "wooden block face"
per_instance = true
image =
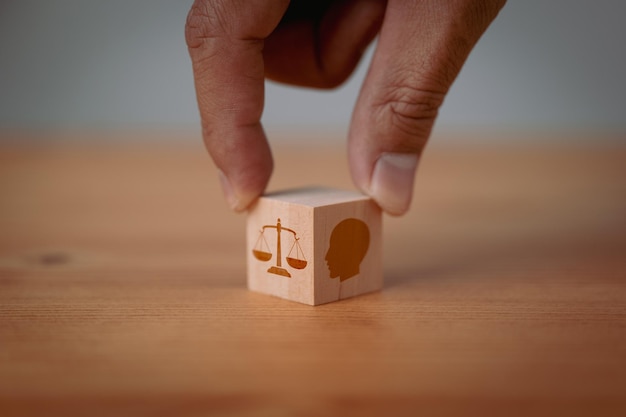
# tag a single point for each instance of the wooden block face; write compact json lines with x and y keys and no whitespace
{"x":329,"y":242}
{"x":270,"y":272}
{"x":348,"y":250}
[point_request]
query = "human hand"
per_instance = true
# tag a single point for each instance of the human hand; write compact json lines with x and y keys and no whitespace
{"x":235,"y":44}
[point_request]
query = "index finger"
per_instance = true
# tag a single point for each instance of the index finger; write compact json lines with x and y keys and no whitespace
{"x":225,"y":40}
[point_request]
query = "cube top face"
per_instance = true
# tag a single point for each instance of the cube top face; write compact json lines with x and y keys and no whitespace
{"x":316,"y":196}
{"x":314,"y":245}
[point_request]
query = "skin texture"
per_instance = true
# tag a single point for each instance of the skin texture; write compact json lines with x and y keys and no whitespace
{"x":235,"y":44}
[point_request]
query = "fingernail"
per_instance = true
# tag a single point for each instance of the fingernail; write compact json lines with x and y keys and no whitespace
{"x":392,"y":181}
{"x":229,"y":193}
{"x":236,"y":199}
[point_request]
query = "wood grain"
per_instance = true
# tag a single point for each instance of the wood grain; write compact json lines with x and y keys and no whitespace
{"x":122,"y":288}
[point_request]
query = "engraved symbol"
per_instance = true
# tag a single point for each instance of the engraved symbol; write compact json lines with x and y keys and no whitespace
{"x":263,"y":253}
{"x":349,"y":242}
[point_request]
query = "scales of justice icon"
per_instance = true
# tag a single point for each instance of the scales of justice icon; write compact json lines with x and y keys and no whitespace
{"x":262,"y":251}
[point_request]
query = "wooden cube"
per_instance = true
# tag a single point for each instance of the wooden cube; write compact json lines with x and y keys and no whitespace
{"x":314,"y":245}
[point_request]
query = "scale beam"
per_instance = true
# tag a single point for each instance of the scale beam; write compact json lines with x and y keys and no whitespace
{"x":263,"y":256}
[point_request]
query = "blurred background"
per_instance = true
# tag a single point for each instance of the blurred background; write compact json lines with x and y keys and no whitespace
{"x":554,"y":65}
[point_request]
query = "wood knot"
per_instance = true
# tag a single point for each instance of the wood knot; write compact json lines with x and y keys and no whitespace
{"x":53,"y":258}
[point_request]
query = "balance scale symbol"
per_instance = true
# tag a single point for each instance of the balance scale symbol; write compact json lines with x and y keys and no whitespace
{"x":262,"y":251}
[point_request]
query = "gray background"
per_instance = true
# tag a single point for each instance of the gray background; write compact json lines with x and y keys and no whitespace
{"x":543,"y":65}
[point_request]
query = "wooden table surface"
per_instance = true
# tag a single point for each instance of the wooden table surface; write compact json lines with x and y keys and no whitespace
{"x":122,"y":288}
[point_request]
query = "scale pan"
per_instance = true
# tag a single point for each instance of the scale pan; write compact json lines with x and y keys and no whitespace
{"x":261,"y":255}
{"x":296,"y":263}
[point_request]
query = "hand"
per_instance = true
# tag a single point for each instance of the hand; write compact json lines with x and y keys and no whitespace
{"x":235,"y":44}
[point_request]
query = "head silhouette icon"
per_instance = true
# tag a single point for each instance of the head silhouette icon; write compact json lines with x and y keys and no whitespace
{"x":349,"y":242}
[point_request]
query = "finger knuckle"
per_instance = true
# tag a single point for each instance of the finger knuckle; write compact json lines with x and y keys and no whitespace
{"x":203,"y":22}
{"x":407,"y":113}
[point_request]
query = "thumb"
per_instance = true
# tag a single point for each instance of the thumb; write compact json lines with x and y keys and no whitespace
{"x":421,"y":49}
